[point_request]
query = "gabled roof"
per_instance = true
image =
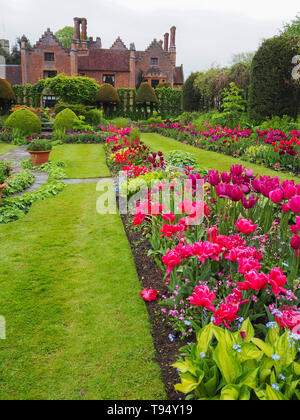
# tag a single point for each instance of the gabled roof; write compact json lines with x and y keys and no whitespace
{"x":48,"y":38}
{"x":105,"y":60}
{"x":118,"y":45}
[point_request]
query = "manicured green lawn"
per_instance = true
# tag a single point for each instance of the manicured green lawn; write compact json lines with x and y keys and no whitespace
{"x":76,"y":325}
{"x":4,"y":148}
{"x":208,"y":160}
{"x":82,"y":160}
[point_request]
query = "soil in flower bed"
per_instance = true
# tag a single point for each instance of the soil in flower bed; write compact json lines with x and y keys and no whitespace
{"x":151,"y":277}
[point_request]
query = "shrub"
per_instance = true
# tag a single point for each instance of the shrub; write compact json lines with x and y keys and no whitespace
{"x":191,"y":96}
{"x":65,"y":120}
{"x":25,"y":120}
{"x":7,"y":95}
{"x":74,"y":90}
{"x":271,"y":91}
{"x":108,"y":96}
{"x":145,"y":95}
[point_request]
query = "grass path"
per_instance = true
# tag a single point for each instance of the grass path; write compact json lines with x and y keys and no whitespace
{"x":82,"y":160}
{"x":4,"y":148}
{"x":207,"y":159}
{"x":76,"y":325}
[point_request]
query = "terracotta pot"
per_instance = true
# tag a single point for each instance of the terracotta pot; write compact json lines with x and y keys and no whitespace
{"x":2,"y":186}
{"x":38,"y":158}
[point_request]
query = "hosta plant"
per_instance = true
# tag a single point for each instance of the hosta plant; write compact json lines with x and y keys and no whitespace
{"x":238,"y":366}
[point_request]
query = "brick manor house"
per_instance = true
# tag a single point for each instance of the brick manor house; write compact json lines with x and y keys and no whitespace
{"x":118,"y":65}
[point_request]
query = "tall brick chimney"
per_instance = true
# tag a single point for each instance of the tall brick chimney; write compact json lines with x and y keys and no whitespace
{"x":173,"y":36}
{"x":83,"y":29}
{"x":76,"y":29}
{"x":173,"y":46}
{"x":166,"y":43}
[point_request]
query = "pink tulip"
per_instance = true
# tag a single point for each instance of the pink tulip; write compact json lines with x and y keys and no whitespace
{"x":277,"y":281}
{"x":294,"y":204}
{"x":276,"y":196}
{"x":290,"y":191}
{"x":295,"y":243}
{"x":251,"y":203}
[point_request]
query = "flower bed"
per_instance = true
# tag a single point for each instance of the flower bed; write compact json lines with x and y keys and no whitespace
{"x":230,"y":267}
{"x":271,"y":148}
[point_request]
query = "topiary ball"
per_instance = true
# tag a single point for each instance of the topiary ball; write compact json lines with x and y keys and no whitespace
{"x":25,"y":120}
{"x":64,"y":120}
{"x":107,"y":94}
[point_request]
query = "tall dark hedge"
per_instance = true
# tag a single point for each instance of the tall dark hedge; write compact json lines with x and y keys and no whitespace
{"x":190,"y":95}
{"x":272,"y":92}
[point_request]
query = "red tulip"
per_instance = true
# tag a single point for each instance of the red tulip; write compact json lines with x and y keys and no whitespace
{"x":149,"y":295}
{"x":246,"y":226}
{"x":169,"y":217}
{"x":203,"y":297}
{"x":254,"y":281}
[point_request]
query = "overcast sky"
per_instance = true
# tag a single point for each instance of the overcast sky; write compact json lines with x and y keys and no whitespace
{"x":208,"y":31}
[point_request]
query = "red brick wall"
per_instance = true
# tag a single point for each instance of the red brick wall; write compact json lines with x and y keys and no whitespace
{"x":121,"y":78}
{"x":37,"y":64}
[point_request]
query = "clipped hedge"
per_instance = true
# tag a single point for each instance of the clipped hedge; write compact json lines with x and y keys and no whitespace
{"x":24,"y":120}
{"x":65,"y":120}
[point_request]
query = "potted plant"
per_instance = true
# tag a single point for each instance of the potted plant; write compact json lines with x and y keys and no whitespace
{"x":5,"y":171}
{"x":39,"y":151}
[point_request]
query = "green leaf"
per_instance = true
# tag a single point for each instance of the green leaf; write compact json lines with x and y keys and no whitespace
{"x":250,"y":351}
{"x":188,"y":383}
{"x":230,"y":393}
{"x":249,"y":330}
{"x":204,"y":338}
{"x":266,"y":348}
{"x":273,"y":335}
{"x":274,"y":395}
{"x":183,"y":367}
{"x":228,"y":363}
{"x":249,"y":378}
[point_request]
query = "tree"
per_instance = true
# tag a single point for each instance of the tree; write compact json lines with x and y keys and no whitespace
{"x":65,"y":36}
{"x":190,"y":94}
{"x":272,"y":91}
{"x":245,"y":57}
{"x":293,"y":28}
{"x":145,"y":96}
